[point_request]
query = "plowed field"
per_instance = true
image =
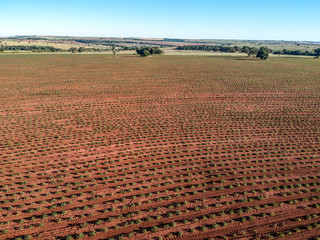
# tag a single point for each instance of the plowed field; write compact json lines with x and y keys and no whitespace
{"x":166,"y":147}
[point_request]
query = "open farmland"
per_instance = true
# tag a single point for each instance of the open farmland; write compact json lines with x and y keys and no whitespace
{"x":166,"y":147}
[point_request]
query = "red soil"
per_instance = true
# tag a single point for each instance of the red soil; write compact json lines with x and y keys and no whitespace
{"x":167,"y":147}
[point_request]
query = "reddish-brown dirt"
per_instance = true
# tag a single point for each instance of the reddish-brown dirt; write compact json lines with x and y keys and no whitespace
{"x":182,"y":147}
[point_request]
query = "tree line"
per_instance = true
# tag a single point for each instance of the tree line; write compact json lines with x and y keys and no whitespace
{"x":144,"y":51}
{"x":30,"y":48}
{"x":250,"y":51}
{"x":298,"y":52}
{"x":49,"y":49}
{"x":83,"y":49}
{"x":228,"y":49}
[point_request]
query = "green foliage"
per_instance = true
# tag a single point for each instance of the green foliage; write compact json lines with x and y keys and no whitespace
{"x":144,"y":52}
{"x":81,"y":49}
{"x":80,"y":235}
{"x":213,"y":48}
{"x":263,"y":53}
{"x":253,"y":51}
{"x":245,"y":49}
{"x":317,"y":52}
{"x":73,"y":50}
{"x":155,"y":50}
{"x":154,"y":229}
{"x":30,"y":48}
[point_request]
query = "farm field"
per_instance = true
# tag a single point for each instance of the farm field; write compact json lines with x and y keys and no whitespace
{"x":165,"y":147}
{"x":45,"y":43}
{"x":63,"y":45}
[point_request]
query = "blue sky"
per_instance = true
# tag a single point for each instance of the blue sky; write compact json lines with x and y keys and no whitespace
{"x":210,"y":19}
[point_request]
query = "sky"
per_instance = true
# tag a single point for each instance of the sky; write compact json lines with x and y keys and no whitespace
{"x":196,"y":19}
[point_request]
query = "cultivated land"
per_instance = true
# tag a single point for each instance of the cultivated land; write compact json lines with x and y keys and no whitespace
{"x":175,"y":147}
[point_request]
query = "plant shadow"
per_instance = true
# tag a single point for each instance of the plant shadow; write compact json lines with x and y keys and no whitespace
{"x":247,"y":59}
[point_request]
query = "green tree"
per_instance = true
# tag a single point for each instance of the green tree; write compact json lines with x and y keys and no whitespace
{"x":73,"y":50}
{"x":237,"y":48}
{"x":317,"y":52}
{"x":144,"y":52}
{"x":155,"y":50}
{"x":263,"y":53}
{"x":245,"y":49}
{"x":81,"y":49}
{"x":252,"y":51}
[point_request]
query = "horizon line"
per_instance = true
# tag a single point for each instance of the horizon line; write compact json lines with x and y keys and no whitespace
{"x":236,"y":39}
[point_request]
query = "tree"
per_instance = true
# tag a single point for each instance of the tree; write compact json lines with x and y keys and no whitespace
{"x":73,"y":49}
{"x":237,"y":48}
{"x":278,"y":52}
{"x":144,"y":52}
{"x":245,"y":49}
{"x":114,"y":50}
{"x":81,"y":49}
{"x":268,"y":49}
{"x":252,"y":51}
{"x":263,"y":53}
{"x":317,"y":52}
{"x":232,"y":50}
{"x":155,"y":50}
